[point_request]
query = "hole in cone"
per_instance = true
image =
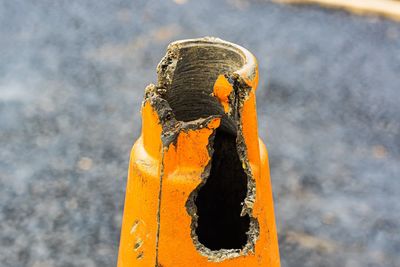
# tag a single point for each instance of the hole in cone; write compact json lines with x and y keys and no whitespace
{"x":219,"y":201}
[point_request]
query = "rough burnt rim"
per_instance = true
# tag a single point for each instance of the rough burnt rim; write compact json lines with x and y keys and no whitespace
{"x":240,"y":93}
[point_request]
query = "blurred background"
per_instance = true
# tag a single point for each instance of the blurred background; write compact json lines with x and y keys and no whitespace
{"x":72,"y":77}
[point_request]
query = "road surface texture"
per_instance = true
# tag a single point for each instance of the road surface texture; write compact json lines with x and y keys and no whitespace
{"x":72,"y":75}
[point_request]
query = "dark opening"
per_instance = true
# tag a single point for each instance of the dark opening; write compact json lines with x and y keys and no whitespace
{"x":219,"y":200}
{"x":189,"y":94}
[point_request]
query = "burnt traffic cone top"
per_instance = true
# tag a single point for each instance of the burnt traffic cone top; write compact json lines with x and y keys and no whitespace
{"x":198,"y":190}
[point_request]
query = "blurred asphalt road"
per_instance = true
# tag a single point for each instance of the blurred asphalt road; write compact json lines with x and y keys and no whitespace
{"x":72,"y":75}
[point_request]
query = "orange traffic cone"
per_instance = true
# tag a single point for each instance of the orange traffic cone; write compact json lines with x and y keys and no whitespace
{"x":198,"y":191}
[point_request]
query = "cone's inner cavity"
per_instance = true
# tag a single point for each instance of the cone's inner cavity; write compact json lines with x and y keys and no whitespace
{"x":197,"y":69}
{"x":189,"y":94}
{"x":219,"y":200}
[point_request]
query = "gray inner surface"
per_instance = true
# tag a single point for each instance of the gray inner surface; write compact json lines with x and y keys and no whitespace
{"x":193,"y":81}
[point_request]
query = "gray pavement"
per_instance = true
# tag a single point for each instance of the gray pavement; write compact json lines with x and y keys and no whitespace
{"x":72,"y":75}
